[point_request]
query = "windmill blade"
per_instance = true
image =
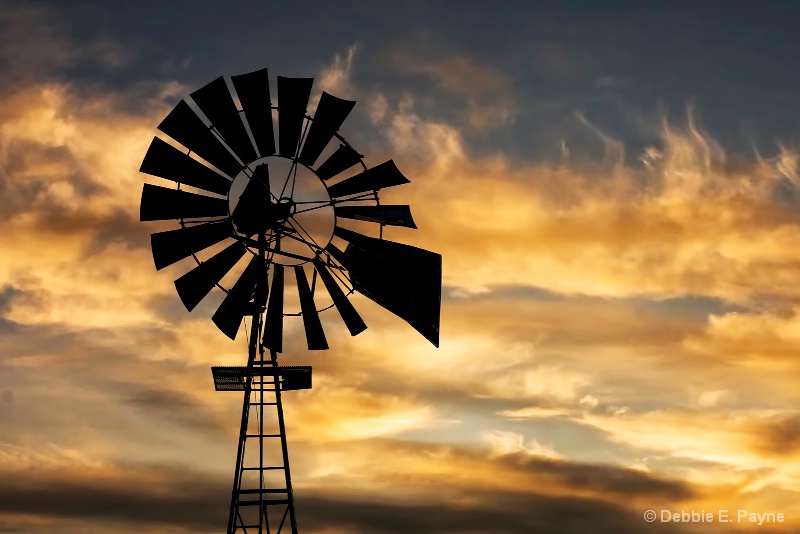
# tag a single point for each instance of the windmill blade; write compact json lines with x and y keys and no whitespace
{"x":251,"y":214}
{"x":315,"y":335}
{"x":194,"y":286}
{"x":393,"y":215}
{"x":405,"y":280}
{"x":217,"y":103}
{"x":174,"y":245}
{"x":355,"y":324}
{"x":166,"y":161}
{"x":230,"y":313}
{"x":341,"y":160}
{"x":160,"y":203}
{"x":293,"y":96}
{"x":273,"y":321}
{"x":183,"y":125}
{"x":350,"y":236}
{"x":329,"y":117}
{"x":253,"y":91}
{"x":384,"y":175}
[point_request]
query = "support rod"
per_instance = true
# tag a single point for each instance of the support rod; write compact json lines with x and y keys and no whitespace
{"x":284,"y":447}
{"x":237,"y":479}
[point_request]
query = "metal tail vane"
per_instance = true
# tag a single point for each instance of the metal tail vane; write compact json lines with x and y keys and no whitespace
{"x":250,"y":224}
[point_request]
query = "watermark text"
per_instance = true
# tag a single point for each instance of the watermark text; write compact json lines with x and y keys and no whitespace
{"x":715,"y":516}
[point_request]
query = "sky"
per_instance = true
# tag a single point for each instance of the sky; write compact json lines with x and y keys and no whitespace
{"x":613,"y":187}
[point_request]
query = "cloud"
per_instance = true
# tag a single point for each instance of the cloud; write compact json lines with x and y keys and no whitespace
{"x":33,"y":44}
{"x":70,"y":198}
{"x":417,"y":471}
{"x":435,"y":143}
{"x":746,"y":449}
{"x":504,"y":513}
{"x":335,"y":78}
{"x":589,"y":402}
{"x":552,"y":59}
{"x":533,"y":412}
{"x":174,"y":497}
{"x":139,"y":495}
{"x":331,"y":412}
{"x":609,"y":81}
{"x":484,"y":93}
{"x":453,"y":73}
{"x":51,"y":457}
{"x":780,"y":435}
{"x":693,"y":223}
{"x":503,"y":443}
{"x":549,"y":382}
{"x":712,"y":398}
{"x":740,"y":336}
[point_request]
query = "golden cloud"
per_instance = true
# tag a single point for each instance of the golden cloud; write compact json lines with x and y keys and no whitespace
{"x":687,"y":222}
{"x":748,"y":449}
{"x":751,"y":337}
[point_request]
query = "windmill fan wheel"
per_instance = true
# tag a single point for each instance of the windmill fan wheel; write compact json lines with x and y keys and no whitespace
{"x":248,"y":210}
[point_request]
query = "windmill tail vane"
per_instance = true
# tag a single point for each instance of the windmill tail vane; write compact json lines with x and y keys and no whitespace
{"x":248,"y":210}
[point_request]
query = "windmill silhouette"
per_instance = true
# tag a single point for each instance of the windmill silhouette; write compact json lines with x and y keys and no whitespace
{"x":253,"y":224}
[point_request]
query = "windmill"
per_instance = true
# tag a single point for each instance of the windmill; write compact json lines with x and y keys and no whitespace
{"x":248,"y":211}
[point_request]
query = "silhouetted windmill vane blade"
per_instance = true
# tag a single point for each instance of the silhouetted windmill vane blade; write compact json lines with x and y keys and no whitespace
{"x":217,"y":103}
{"x":350,"y":236}
{"x":355,"y":324}
{"x":175,"y":245}
{"x":230,"y":313}
{"x":403,"y":279}
{"x":405,"y":293}
{"x":341,"y":160}
{"x":166,"y":161}
{"x":183,"y":125}
{"x":195,"y":285}
{"x":381,"y":176}
{"x":160,"y":203}
{"x":315,"y":335}
{"x":393,"y":215}
{"x":329,"y":117}
{"x":253,"y":91}
{"x":293,"y":94}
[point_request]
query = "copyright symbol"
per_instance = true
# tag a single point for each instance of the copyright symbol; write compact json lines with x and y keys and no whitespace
{"x":649,"y":516}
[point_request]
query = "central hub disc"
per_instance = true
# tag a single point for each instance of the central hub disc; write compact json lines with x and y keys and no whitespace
{"x":289,"y":203}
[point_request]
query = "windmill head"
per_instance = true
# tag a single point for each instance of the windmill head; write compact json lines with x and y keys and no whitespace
{"x":246,"y":216}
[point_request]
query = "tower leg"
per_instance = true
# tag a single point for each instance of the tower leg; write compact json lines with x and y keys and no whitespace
{"x":262,"y":500}
{"x":284,"y":448}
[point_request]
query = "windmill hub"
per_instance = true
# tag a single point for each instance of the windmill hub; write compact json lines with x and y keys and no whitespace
{"x":258,"y":210}
{"x":285,"y":201}
{"x":282,"y":210}
{"x":269,"y":215}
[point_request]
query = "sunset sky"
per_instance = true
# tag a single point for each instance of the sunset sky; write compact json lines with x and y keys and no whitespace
{"x":614,"y":188}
